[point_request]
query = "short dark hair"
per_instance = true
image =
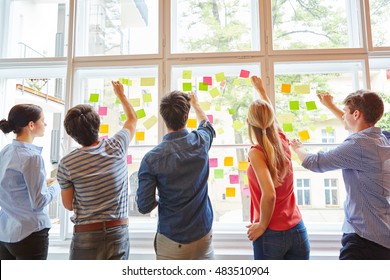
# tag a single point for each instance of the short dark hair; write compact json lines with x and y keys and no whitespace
{"x":82,"y":123}
{"x":174,"y":109}
{"x":367,"y":102}
{"x":19,"y":116}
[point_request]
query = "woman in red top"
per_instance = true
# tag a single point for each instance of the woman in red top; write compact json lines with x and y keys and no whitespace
{"x":276,"y":229}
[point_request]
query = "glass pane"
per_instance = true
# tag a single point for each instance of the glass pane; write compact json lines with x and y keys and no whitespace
{"x":214,"y":26}
{"x":380,"y":22}
{"x":36,"y":28}
{"x":315,"y":24}
{"x":117,"y":27}
{"x":224,"y":93}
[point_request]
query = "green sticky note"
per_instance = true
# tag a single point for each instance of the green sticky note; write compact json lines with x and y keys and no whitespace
{"x":125,"y":81}
{"x":147,"y":82}
{"x":94,"y":97}
{"x":214,"y":92}
{"x":147,"y":97}
{"x":311,"y":105}
{"x":187,"y":74}
{"x":187,"y":86}
{"x":140,"y":113}
{"x":294,"y":105}
{"x":329,"y":129}
{"x":237,"y":82}
{"x":231,"y":111}
{"x":219,"y":77}
{"x":218,"y":173}
{"x":123,"y":117}
{"x":203,"y":86}
{"x":287,"y":127}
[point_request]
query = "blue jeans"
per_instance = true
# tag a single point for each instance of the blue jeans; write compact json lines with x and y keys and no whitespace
{"x":33,"y":247}
{"x":107,"y":244}
{"x":291,"y":244}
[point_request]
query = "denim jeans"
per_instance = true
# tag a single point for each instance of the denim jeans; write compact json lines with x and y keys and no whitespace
{"x":167,"y":249}
{"x":291,"y":244}
{"x":106,"y":244}
{"x":33,"y":247}
{"x":358,"y":248}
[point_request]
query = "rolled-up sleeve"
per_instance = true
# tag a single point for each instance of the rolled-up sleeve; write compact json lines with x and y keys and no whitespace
{"x":146,"y":192}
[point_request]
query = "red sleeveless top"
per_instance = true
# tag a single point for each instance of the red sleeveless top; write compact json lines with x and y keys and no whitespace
{"x":286,"y":213}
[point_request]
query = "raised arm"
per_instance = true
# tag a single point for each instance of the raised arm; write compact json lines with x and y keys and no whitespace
{"x":258,"y":85}
{"x":131,"y":122}
{"x":200,"y":114}
{"x":327,"y":100}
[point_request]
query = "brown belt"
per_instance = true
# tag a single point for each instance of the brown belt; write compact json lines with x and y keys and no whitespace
{"x":101,"y":225}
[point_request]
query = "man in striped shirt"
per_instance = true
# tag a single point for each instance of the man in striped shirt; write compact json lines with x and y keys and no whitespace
{"x":94,"y":183}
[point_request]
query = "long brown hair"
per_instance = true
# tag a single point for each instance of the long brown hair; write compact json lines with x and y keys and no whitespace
{"x":263,"y":131}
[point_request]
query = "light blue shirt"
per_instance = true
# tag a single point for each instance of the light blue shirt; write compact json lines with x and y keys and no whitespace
{"x":364,"y":158}
{"x":23,"y":192}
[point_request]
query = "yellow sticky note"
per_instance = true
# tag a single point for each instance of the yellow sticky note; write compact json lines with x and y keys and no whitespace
{"x":214,"y":92}
{"x":220,"y":131}
{"x":246,"y":180}
{"x":139,"y":135}
{"x":230,"y":192}
{"x":286,"y":118}
{"x":135,"y":102}
{"x":329,"y":129}
{"x":302,"y":89}
{"x":228,"y":161}
{"x":148,"y":82}
{"x":205,"y":105}
{"x":191,"y":123}
{"x":103,"y":128}
{"x":147,"y":97}
{"x":304,"y":135}
{"x":187,"y":74}
{"x":286,"y":88}
{"x":243,"y":165}
{"x":237,"y":125}
{"x":219,"y":77}
{"x":150,"y":122}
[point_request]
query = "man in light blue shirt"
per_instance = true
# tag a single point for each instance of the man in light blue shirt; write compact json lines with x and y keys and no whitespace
{"x":364,"y":158}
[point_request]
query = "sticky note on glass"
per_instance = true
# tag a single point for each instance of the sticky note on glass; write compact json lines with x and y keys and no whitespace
{"x":94,"y":97}
{"x":294,"y":105}
{"x":103,"y":128}
{"x":237,"y":82}
{"x":302,"y":89}
{"x":324,"y":117}
{"x":117,"y":101}
{"x":219,"y":77}
{"x":210,"y":118}
{"x":311,"y":105}
{"x":123,"y":117}
{"x":187,"y":86}
{"x":205,"y":105}
{"x":135,"y":102}
{"x":191,"y":123}
{"x":234,"y":179}
{"x":187,"y":74}
{"x":203,"y":86}
{"x":304,"y":135}
{"x":220,"y":131}
{"x":129,"y":159}
{"x":213,"y":162}
{"x":218,"y":174}
{"x":208,"y":80}
{"x":125,"y":81}
{"x":237,"y":125}
{"x":329,"y":129}
{"x":102,"y":111}
{"x":231,"y":111}
{"x":243,"y":165}
{"x":287,"y":127}
{"x":286,"y":118}
{"x":139,"y":135}
{"x":147,"y":82}
{"x":246,"y":180}
{"x":147,"y":97}
{"x":230,"y":192}
{"x":286,"y":88}
{"x":149,"y":123}
{"x":228,"y":161}
{"x":244,"y":73}
{"x":214,"y":92}
{"x":246,"y":192}
{"x":140,"y":113}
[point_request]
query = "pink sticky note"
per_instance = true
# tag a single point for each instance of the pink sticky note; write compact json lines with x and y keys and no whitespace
{"x":244,"y":74}
{"x":129,"y":159}
{"x":102,"y":137}
{"x":208,"y":80}
{"x":246,"y":192}
{"x":102,"y":111}
{"x":213,"y":162}
{"x":234,"y":179}
{"x":211,"y":118}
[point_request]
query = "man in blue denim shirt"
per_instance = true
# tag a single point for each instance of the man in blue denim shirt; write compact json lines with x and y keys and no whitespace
{"x":179,"y":169}
{"x":364,"y":158}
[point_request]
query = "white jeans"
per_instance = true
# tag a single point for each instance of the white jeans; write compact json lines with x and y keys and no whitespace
{"x":167,"y":249}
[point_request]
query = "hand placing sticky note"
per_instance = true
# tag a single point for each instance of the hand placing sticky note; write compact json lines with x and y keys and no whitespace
{"x":228,"y":161}
{"x":304,"y":135}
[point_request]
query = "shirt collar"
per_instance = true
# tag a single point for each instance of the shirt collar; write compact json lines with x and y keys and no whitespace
{"x":27,"y":146}
{"x":176,"y":134}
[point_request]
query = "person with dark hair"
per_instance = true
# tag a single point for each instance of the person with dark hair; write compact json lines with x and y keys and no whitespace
{"x":364,"y":158}
{"x":24,"y":189}
{"x":94,"y":183}
{"x":179,"y":169}
{"x":277,"y":229}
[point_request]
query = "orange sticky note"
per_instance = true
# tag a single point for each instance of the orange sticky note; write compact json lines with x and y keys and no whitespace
{"x":286,"y":88}
{"x":243,"y":165}
{"x":228,"y":161}
{"x":230,"y":192}
{"x":304,"y":135}
{"x":103,"y":128}
{"x":140,"y":136}
{"x":191,"y":123}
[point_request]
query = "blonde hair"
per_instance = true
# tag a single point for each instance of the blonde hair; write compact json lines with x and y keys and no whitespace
{"x":264,"y":132}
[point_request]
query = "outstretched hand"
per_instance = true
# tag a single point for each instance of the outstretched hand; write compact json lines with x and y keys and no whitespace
{"x":325,"y":98}
{"x":257,"y":83}
{"x":118,"y":88}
